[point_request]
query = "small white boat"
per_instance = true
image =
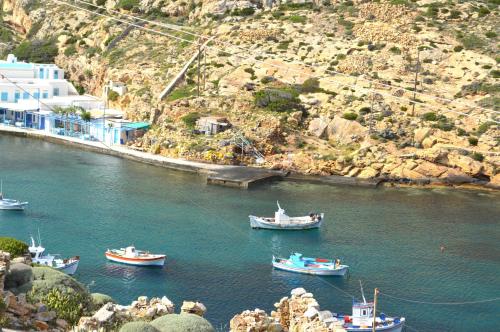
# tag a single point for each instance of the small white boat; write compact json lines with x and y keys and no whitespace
{"x":317,"y":266}
{"x":38,"y":256}
{"x":131,"y":256}
{"x":282,"y":221}
{"x":10,"y":204}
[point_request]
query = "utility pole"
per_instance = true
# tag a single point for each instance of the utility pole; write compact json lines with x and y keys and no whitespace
{"x":370,"y":130}
{"x":374,"y":328}
{"x":204,"y":68}
{"x":417,"y":68}
{"x":199,"y":61}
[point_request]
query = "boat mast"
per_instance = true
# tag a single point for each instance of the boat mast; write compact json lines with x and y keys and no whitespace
{"x":374,"y":309}
{"x":362,"y":292}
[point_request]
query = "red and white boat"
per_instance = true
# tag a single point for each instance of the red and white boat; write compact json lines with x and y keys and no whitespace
{"x":132,"y":256}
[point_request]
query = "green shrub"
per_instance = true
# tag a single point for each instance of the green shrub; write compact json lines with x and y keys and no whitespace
{"x":70,"y":50}
{"x":297,"y":18}
{"x":471,"y":41}
{"x":484,"y":127}
{"x":68,"y":306}
{"x":128,"y":4}
{"x":461,"y":132}
{"x":495,"y":73}
{"x":182,"y":323}
{"x":113,"y":95}
{"x":13,"y":246}
{"x":430,"y":116}
{"x":247,"y":11}
{"x":37,"y":51}
{"x":310,"y":85}
{"x":266,"y":79}
{"x":473,"y":140}
{"x":138,"y":327}
{"x":350,"y":116}
{"x":491,"y":34}
{"x":458,"y":48}
{"x":395,"y":50}
{"x":190,"y":119}
{"x":477,"y":156}
{"x":278,"y":100}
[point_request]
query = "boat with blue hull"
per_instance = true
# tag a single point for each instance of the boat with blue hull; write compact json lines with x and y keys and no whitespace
{"x":283,"y":222}
{"x":317,"y":266}
{"x":362,"y":320}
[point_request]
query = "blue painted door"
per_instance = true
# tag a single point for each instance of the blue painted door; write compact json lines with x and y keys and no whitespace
{"x":42,"y":122}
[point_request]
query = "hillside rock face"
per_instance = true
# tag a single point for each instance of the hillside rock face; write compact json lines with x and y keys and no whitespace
{"x":347,"y":70}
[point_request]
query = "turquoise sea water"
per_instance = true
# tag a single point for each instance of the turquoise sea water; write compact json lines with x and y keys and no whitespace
{"x":84,"y":203}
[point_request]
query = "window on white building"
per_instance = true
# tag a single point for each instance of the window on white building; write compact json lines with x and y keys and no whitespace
{"x":56,"y":74}
{"x":37,"y":95}
{"x":4,"y":96}
{"x":17,"y":96}
{"x":56,"y":92}
{"x":45,"y":94}
{"x":41,"y":73}
{"x":26,"y":95}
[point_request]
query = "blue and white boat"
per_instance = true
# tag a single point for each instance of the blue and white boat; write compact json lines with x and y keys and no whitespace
{"x":318,"y":266}
{"x":283,"y":222}
{"x":38,"y":256}
{"x":362,"y":319}
{"x":10,"y":204}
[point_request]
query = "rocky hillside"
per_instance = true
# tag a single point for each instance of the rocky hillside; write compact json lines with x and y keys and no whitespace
{"x":326,"y":87}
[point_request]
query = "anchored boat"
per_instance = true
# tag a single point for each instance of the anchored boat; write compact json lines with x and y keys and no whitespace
{"x":319,"y":266}
{"x":10,"y":204}
{"x":131,"y":256}
{"x":282,"y":221}
{"x":38,"y":256}
{"x":362,"y":319}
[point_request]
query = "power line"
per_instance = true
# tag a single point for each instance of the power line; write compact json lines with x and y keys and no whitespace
{"x":179,"y":29}
{"x":281,"y":67}
{"x":441,"y":303}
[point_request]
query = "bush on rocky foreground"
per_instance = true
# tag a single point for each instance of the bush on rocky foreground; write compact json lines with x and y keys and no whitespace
{"x":13,"y":246}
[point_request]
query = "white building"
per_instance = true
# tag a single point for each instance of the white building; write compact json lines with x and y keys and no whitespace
{"x":32,"y":87}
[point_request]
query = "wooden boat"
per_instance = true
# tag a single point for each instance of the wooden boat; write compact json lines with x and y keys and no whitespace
{"x":362,"y":319}
{"x":10,"y":204}
{"x":282,"y":221}
{"x":131,"y":256}
{"x":318,"y":266}
{"x":38,"y":256}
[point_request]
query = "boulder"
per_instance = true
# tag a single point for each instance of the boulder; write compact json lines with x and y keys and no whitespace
{"x":317,"y":127}
{"x":98,"y":299}
{"x":465,"y":163}
{"x":298,"y":291}
{"x":345,"y":131}
{"x":429,"y":169}
{"x":428,"y":142}
{"x":105,"y":314}
{"x":138,"y":327}
{"x":196,"y":308}
{"x":19,"y":274}
{"x":182,"y":323}
{"x":420,"y":134}
{"x":368,"y":173}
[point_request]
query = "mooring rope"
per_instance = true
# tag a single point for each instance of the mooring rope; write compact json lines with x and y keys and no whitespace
{"x":440,"y":303}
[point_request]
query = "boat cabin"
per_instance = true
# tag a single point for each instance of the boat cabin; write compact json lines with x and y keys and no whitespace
{"x":362,"y":314}
{"x":36,"y":252}
{"x":131,"y":252}
{"x":280,"y":217}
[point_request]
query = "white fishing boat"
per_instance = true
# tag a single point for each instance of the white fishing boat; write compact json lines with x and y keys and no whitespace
{"x":38,"y":256}
{"x":282,"y":221}
{"x":131,"y":256}
{"x":10,"y":204}
{"x":364,"y":317}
